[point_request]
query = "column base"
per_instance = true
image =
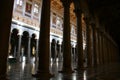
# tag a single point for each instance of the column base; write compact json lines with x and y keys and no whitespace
{"x":43,"y":75}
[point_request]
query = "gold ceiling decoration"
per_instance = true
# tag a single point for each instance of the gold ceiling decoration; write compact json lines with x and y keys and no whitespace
{"x":57,"y":6}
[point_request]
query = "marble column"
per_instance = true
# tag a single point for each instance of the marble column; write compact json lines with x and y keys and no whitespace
{"x":107,"y":47}
{"x":99,"y":46}
{"x":44,"y":42}
{"x":19,"y":48}
{"x":28,"y":50}
{"x":95,"y":45}
{"x":111,"y":58}
{"x":109,"y":54}
{"x":102,"y":47}
{"x":105,"y":41}
{"x":66,"y":38}
{"x":5,"y":25}
{"x":80,"y":62}
{"x":36,"y":53}
{"x":89,"y":43}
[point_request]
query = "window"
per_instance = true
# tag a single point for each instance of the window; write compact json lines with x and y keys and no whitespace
{"x":72,"y":29}
{"x":28,"y":8}
{"x":54,"y":20}
{"x":19,"y":2}
{"x":36,"y":7}
{"x":58,"y":22}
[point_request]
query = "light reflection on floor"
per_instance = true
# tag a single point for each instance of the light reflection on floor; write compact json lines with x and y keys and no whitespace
{"x":24,"y":71}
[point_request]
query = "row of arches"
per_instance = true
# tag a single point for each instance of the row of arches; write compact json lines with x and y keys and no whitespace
{"x":22,"y":42}
{"x":27,"y":46}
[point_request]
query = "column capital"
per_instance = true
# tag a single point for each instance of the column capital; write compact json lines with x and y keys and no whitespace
{"x":66,"y":3}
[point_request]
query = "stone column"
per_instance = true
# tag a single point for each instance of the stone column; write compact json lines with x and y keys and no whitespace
{"x":36,"y":54}
{"x":112,"y":59}
{"x":102,"y":47}
{"x":80,"y":63}
{"x":66,"y":38}
{"x":105,"y":41}
{"x":99,"y":46}
{"x":108,"y":49}
{"x":98,"y":50}
{"x":5,"y":25}
{"x":28,"y":50}
{"x":95,"y":45}
{"x":44,"y":42}
{"x":19,"y":48}
{"x":89,"y":43}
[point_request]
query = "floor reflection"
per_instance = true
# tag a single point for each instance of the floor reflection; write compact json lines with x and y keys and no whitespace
{"x":24,"y":71}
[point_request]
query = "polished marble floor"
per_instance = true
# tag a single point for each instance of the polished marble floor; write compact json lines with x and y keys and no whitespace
{"x":24,"y":71}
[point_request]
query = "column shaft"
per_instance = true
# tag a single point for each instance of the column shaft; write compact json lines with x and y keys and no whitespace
{"x":106,"y":57}
{"x":36,"y":54}
{"x":102,"y":47}
{"x":44,"y":41}
{"x":66,"y":38}
{"x":28,"y":50}
{"x":5,"y":25}
{"x":99,"y":45}
{"x":79,"y":39}
{"x":95,"y":44}
{"x":89,"y":44}
{"x":19,"y":48}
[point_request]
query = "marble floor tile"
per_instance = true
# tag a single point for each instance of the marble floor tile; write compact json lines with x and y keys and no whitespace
{"x":24,"y":71}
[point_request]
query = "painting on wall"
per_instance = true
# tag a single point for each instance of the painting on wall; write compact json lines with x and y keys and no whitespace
{"x":28,"y":8}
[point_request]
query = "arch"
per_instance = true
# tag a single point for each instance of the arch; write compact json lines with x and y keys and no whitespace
{"x":26,"y":33}
{"x":33,"y":35}
{"x":16,"y":31}
{"x":13,"y":42}
{"x":25,"y":38}
{"x":33,"y":44}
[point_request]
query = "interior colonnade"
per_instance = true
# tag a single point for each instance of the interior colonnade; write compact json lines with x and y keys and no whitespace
{"x":23,"y":43}
{"x":101,"y":48}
